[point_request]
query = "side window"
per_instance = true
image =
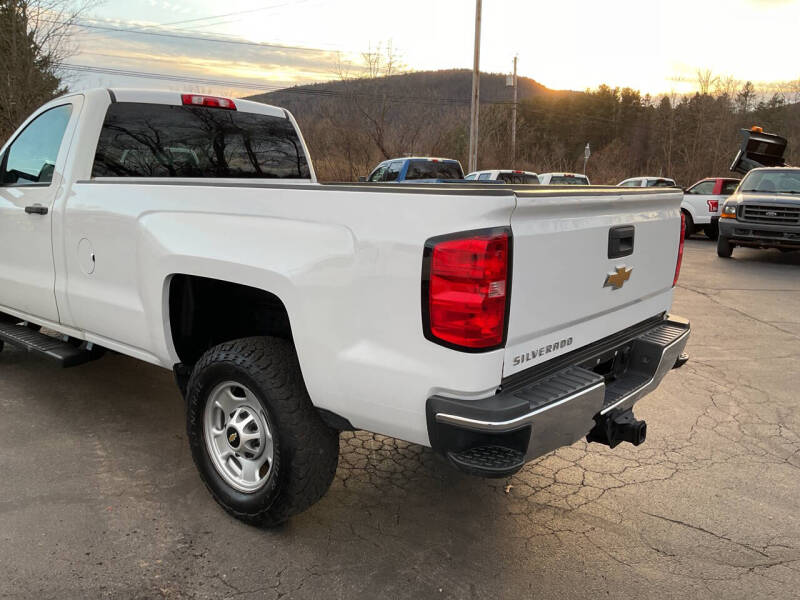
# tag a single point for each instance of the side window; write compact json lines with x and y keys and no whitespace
{"x":659,"y":183}
{"x":484,"y":176}
{"x":729,"y":187}
{"x":393,"y":171}
{"x":470,"y":177}
{"x":377,"y":174}
{"x":704,"y":187}
{"x":630,"y":183}
{"x":31,"y":158}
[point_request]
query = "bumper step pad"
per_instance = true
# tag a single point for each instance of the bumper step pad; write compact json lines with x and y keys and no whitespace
{"x":64,"y":353}
{"x":648,"y":350}
{"x":488,"y":461}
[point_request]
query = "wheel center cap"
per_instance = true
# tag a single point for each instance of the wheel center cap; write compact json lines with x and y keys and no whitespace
{"x":234,"y":439}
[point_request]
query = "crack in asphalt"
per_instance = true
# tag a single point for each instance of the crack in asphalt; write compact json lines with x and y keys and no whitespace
{"x":706,"y":531}
{"x":738,"y":311}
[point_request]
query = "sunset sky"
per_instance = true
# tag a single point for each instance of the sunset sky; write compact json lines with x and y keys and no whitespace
{"x":652,"y":45}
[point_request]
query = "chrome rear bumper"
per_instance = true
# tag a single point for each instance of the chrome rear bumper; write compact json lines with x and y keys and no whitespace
{"x":536,"y":414}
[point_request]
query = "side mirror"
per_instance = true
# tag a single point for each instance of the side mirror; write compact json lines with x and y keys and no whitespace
{"x":362,"y":178}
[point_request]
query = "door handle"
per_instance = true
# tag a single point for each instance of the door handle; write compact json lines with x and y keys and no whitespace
{"x":36,"y":209}
{"x":620,"y":241}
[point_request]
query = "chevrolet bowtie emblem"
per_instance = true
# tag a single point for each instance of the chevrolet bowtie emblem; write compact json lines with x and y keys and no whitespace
{"x":618,"y":279}
{"x":232,"y":437}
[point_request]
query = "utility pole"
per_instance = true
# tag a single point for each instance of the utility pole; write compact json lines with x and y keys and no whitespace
{"x":472,"y":163}
{"x":514,"y":120}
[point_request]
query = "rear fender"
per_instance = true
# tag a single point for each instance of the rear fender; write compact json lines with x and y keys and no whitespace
{"x":293,"y":256}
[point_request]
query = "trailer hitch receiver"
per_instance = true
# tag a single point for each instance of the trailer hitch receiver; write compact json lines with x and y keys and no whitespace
{"x":614,"y":428}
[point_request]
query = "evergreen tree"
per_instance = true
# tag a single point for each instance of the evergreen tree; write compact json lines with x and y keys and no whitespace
{"x":34,"y":40}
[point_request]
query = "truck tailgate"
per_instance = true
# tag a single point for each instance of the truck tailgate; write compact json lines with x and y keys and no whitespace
{"x":564,"y":244}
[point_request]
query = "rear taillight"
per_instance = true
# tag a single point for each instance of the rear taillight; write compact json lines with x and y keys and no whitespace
{"x":713,"y":205}
{"x":207,"y":101}
{"x":680,"y":250}
{"x":466,"y":288}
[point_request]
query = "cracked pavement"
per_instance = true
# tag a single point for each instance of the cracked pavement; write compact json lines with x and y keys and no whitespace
{"x":100,"y":498}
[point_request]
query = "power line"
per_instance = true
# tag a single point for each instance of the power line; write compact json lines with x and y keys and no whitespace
{"x":310,"y":91}
{"x":261,"y":87}
{"x":232,"y":14}
{"x":218,"y":40}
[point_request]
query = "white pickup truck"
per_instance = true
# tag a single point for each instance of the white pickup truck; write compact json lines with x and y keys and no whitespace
{"x":702,"y":203}
{"x":493,"y":324}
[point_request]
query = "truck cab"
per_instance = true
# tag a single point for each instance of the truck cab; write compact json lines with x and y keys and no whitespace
{"x":419,"y":169}
{"x":702,"y":203}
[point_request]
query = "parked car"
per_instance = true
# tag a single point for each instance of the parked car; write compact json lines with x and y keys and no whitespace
{"x":419,"y":169}
{"x":702,"y":202}
{"x":563,"y":179}
{"x":504,"y":175}
{"x":764,"y":212}
{"x":647,"y":182}
{"x":290,"y":310}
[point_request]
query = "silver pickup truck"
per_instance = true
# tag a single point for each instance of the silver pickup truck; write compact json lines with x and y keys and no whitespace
{"x":764,"y":212}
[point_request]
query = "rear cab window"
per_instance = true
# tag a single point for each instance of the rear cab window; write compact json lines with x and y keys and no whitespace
{"x":569,"y":180}
{"x":519,"y":178}
{"x":660,"y":183}
{"x":159,"y":140}
{"x":430,"y":169}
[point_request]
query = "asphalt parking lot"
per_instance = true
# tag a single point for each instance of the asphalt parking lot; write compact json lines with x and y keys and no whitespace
{"x":99,"y":496}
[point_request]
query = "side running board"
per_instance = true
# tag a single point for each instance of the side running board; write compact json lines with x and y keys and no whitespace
{"x":62,"y":351}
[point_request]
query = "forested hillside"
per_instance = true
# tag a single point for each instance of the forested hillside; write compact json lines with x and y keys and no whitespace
{"x":353,"y":124}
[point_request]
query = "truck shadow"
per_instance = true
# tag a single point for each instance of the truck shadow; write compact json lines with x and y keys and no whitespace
{"x":131,"y":416}
{"x":125,"y":417}
{"x":741,"y":254}
{"x":772,"y":256}
{"x":396,"y":514}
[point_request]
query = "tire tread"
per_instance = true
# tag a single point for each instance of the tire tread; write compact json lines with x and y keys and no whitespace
{"x":307,"y":450}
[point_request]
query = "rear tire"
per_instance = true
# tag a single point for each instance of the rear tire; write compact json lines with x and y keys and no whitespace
{"x":298,"y":451}
{"x":689,"y":224}
{"x":724,"y":247}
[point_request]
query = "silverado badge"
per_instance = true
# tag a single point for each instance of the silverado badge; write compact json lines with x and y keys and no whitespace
{"x":618,"y":279}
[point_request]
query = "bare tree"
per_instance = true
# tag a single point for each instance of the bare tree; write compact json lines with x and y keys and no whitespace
{"x":36,"y":37}
{"x":705,"y":80}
